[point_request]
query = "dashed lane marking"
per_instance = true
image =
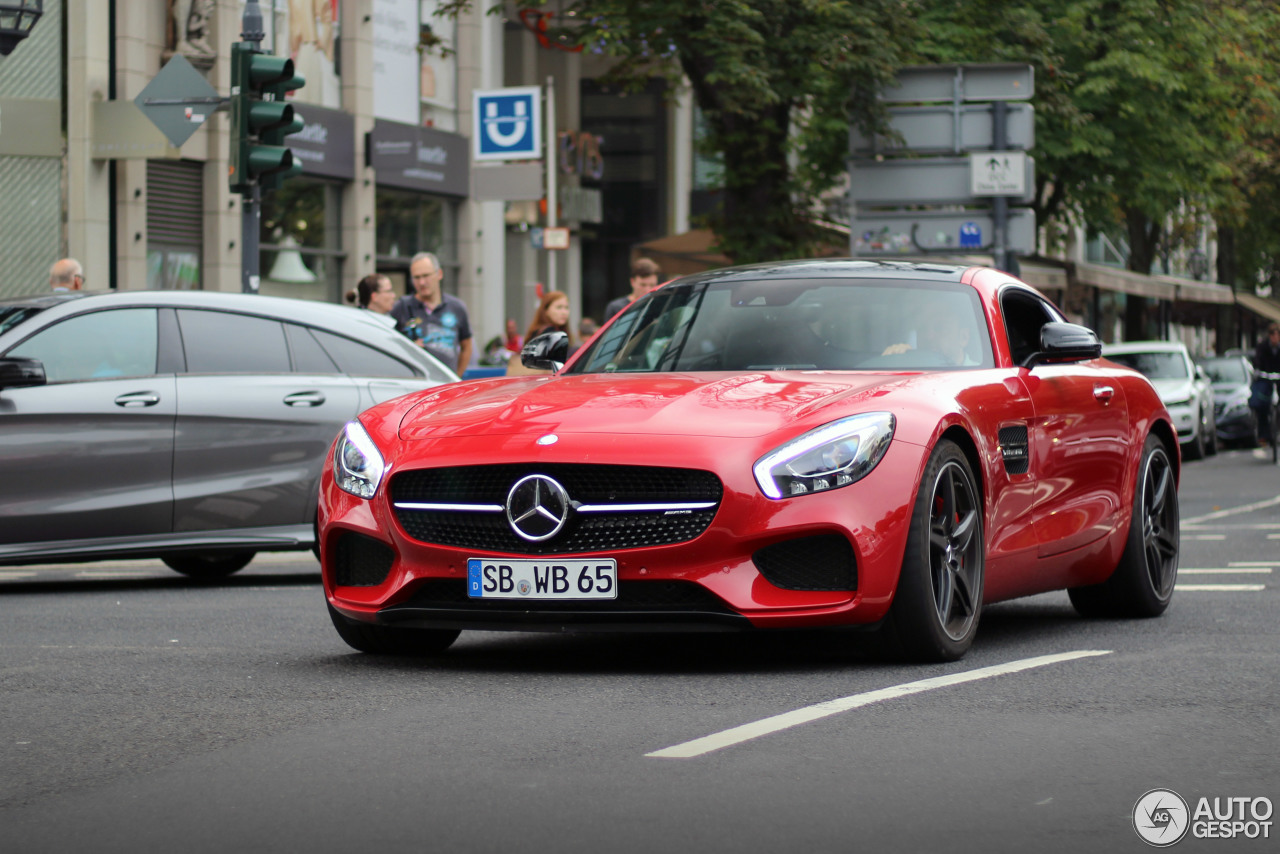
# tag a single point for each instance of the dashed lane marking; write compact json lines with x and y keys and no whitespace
{"x":787,"y":720}
{"x":1219,"y":588}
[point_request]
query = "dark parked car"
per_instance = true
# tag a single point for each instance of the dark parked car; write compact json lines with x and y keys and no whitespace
{"x":1232,"y":378}
{"x":189,"y":426}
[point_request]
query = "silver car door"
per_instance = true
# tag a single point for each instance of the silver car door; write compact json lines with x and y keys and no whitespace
{"x":252,"y":435}
{"x":90,"y":454}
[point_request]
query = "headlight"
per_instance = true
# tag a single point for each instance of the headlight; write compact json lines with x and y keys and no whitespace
{"x":357,"y":465}
{"x":832,"y":456}
{"x":1178,"y":401}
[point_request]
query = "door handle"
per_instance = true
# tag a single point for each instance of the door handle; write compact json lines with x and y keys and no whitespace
{"x":1103,"y":393}
{"x":304,"y":398}
{"x":138,"y":398}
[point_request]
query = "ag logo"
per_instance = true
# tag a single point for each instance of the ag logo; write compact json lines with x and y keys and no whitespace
{"x":1161,"y":817}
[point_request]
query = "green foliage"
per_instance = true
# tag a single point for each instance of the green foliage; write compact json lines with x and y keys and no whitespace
{"x":1149,"y":113}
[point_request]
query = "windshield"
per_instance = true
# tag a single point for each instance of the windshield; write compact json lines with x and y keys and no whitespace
{"x":1154,"y":366}
{"x":1226,"y":371}
{"x":806,"y":324}
{"x":12,"y":315}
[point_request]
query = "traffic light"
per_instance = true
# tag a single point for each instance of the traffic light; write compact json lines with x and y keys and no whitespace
{"x":261,"y":119}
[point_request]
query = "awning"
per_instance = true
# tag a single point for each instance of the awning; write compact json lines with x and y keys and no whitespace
{"x":1157,"y":287}
{"x":1265,"y":307}
{"x":680,"y":254}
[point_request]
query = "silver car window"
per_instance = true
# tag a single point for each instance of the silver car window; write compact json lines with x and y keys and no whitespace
{"x":101,"y":345}
{"x":218,"y":342}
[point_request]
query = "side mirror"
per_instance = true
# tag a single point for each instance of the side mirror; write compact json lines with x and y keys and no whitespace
{"x":1065,"y":342}
{"x":546,"y":352}
{"x":20,"y":373}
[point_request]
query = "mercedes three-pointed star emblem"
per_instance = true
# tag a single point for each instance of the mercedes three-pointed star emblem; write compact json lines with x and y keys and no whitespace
{"x":537,"y":508}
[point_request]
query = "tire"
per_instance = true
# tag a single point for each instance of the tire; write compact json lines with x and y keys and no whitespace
{"x":938,"y":603}
{"x":1142,"y":584}
{"x":386,"y":640}
{"x":208,"y":565}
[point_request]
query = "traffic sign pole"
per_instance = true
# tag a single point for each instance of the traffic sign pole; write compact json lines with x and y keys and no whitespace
{"x":1000,"y":206}
{"x":551,"y":177}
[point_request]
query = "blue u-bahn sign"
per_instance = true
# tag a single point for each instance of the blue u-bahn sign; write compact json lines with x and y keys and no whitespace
{"x":507,"y":123}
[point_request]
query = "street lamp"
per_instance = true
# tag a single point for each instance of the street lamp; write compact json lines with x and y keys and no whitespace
{"x":17,"y":17}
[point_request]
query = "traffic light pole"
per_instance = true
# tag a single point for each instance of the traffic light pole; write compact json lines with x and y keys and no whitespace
{"x":251,"y":202}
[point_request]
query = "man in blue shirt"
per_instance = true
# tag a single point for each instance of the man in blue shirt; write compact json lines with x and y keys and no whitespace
{"x":436,"y":321}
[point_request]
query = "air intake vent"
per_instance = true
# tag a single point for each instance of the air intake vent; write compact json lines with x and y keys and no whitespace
{"x":361,"y":561}
{"x":825,"y":562}
{"x":1015,"y":449}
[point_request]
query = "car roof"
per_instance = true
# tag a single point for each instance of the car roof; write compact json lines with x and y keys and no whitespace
{"x":284,"y":308}
{"x":863,"y":268}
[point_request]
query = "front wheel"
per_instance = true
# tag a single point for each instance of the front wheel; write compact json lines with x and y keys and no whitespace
{"x":1142,"y":584}
{"x":389,"y":640}
{"x":936,"y":607}
{"x":208,"y":565}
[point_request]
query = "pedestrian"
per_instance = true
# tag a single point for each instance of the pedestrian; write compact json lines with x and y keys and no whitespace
{"x":1265,"y":358}
{"x":375,"y":293}
{"x":552,"y":315}
{"x":587,"y":327}
{"x":514,"y":342}
{"x":436,"y":321}
{"x":644,"y":278}
{"x":66,"y":274}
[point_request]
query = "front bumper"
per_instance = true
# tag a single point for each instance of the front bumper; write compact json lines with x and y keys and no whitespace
{"x":712,"y":582}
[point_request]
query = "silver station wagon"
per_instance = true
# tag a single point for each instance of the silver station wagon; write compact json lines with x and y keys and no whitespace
{"x":185,"y":425}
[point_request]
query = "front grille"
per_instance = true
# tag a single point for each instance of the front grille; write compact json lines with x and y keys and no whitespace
{"x":595,"y":485}
{"x":360,"y":561}
{"x":824,"y":562}
{"x":633,"y":596}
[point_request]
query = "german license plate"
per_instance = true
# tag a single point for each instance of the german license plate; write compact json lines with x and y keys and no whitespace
{"x":503,"y":578}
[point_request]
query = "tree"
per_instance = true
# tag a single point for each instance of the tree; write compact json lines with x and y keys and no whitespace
{"x":1148,"y":112}
{"x":778,"y":83}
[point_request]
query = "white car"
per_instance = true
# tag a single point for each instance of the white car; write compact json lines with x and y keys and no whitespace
{"x":1183,"y":386}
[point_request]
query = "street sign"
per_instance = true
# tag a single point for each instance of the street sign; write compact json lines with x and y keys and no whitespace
{"x":969,"y":82}
{"x":927,"y":181}
{"x":908,"y":232}
{"x":507,"y":182}
{"x":998,"y":173}
{"x":507,"y":123}
{"x":944,"y":129}
{"x":178,"y":100}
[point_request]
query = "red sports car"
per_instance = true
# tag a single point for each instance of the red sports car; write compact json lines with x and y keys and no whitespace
{"x":816,"y":443}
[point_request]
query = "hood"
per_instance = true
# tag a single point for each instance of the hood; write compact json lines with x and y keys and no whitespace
{"x":1174,"y":391}
{"x":738,"y":405}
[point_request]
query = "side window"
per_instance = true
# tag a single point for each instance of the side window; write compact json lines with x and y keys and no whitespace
{"x":360,"y":360}
{"x":217,"y":342}
{"x":308,"y":356}
{"x":1024,"y":314}
{"x":104,"y":344}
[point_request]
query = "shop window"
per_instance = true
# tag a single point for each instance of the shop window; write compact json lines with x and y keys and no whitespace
{"x":301,"y":240}
{"x":409,"y":223}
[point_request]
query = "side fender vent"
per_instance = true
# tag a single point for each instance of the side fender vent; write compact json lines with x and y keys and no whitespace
{"x":1015,"y":449}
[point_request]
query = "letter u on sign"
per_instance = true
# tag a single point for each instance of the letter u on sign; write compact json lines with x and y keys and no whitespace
{"x":507,"y":124}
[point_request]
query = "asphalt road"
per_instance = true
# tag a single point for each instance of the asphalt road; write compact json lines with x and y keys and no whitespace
{"x":143,"y":712}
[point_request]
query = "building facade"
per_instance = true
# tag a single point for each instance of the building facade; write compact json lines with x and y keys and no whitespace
{"x":386,"y":155}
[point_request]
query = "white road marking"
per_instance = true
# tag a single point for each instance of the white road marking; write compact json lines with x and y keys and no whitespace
{"x":1253,"y":563}
{"x":1219,"y":588}
{"x":777,"y":723}
{"x":115,"y":573}
{"x":15,"y":573}
{"x":1273,"y":536}
{"x":1233,"y":511}
{"x":1241,"y":570}
{"x":1208,"y":536}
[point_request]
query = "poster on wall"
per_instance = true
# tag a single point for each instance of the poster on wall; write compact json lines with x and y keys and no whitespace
{"x":439,"y":74}
{"x":397,"y":68}
{"x":313,"y":43}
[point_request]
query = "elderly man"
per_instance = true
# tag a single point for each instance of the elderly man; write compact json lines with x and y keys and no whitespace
{"x":436,"y":321}
{"x":66,"y":275}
